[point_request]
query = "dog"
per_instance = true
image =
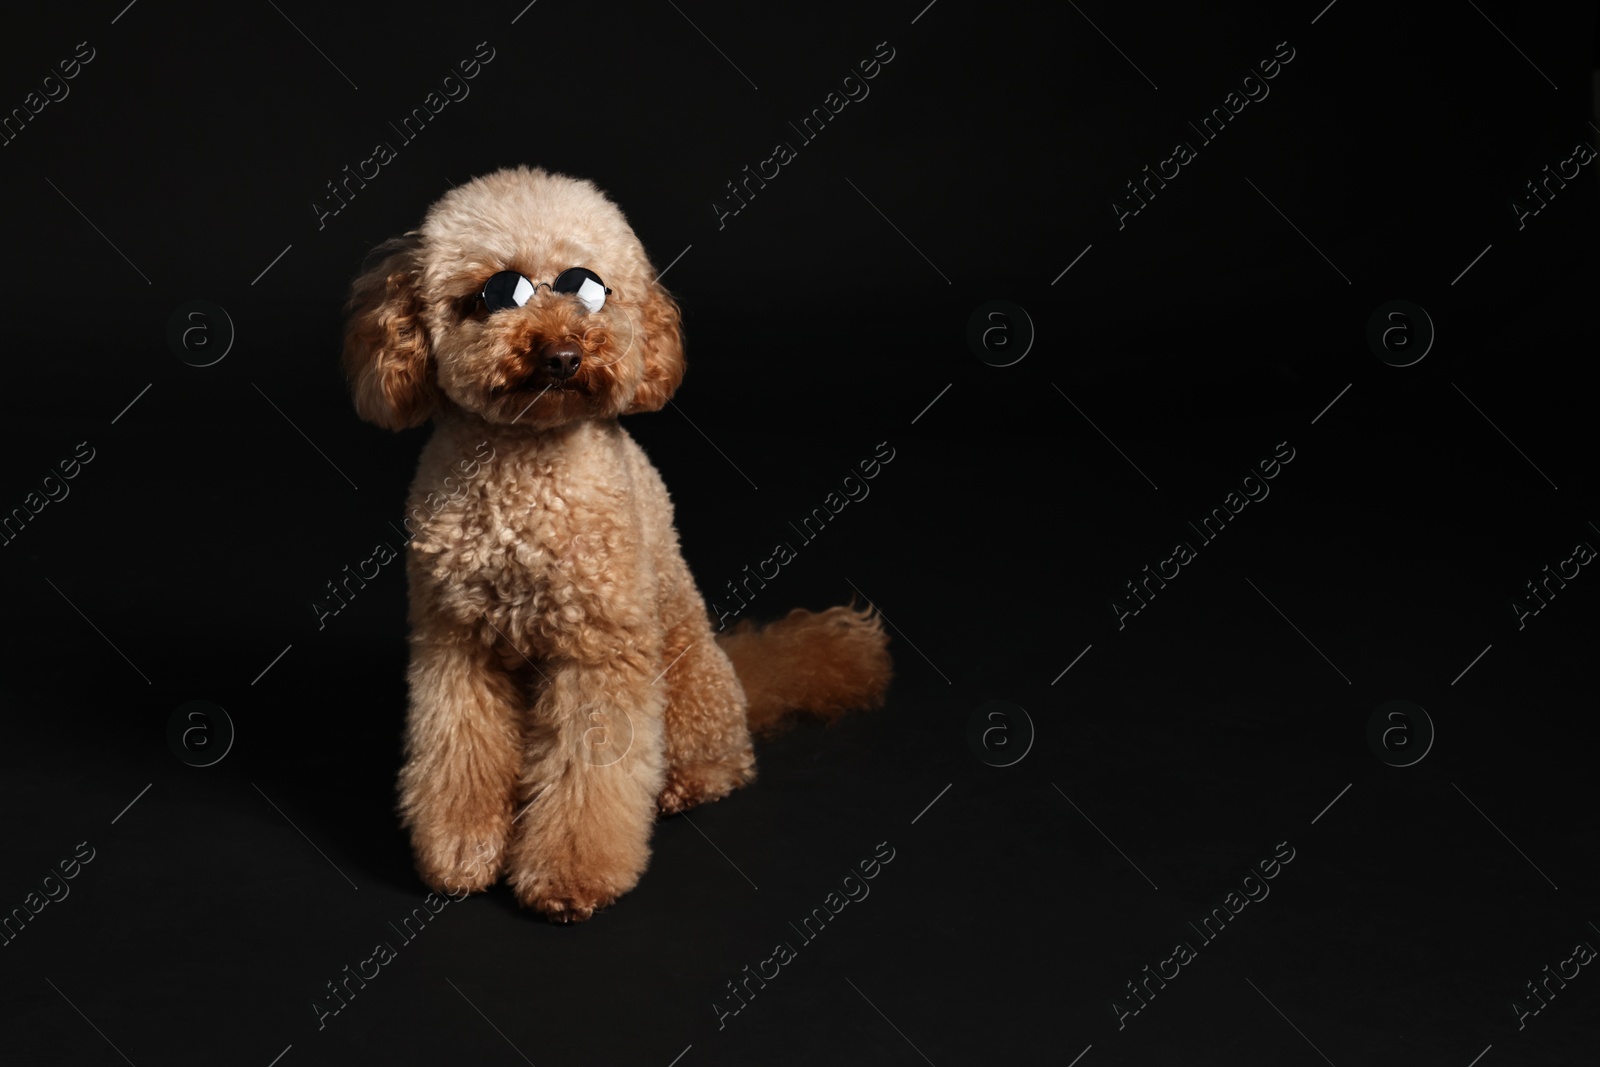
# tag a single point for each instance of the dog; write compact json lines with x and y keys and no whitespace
{"x":565,"y":681}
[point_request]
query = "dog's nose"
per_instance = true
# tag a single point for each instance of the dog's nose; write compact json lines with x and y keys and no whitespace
{"x":561,"y":359}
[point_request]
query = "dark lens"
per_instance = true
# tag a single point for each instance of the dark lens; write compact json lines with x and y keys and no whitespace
{"x":572,"y":279}
{"x":585,"y":283}
{"x":508,"y":289}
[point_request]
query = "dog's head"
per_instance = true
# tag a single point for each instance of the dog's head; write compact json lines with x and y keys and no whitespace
{"x":523,"y":298}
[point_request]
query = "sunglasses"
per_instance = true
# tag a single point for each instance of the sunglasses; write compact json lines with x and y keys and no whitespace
{"x":509,"y":289}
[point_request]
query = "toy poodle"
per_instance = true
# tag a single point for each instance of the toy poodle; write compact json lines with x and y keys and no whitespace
{"x":566,"y":683}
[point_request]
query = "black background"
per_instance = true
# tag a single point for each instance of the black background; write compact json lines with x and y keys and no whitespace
{"x":824,"y":318}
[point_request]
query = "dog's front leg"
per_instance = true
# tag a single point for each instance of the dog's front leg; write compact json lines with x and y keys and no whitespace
{"x":463,"y":754}
{"x":594,"y":766}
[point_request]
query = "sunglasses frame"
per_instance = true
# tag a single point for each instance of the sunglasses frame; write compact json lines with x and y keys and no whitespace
{"x":584,"y":274}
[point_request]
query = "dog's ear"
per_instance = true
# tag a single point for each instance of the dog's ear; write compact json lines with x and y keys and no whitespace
{"x":660,"y":335}
{"x":385,"y":342}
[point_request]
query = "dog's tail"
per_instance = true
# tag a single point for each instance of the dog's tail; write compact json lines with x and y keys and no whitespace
{"x":821,"y":664}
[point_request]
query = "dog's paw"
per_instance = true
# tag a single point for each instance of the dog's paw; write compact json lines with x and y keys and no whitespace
{"x":459,"y":864}
{"x":564,"y":900}
{"x":700,"y":783}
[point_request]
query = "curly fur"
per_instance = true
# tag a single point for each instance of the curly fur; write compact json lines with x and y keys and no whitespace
{"x":565,"y":681}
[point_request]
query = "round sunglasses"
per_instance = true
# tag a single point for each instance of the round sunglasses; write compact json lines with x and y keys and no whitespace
{"x":510,"y":289}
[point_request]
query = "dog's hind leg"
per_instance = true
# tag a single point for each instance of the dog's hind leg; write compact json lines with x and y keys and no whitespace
{"x":708,"y":736}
